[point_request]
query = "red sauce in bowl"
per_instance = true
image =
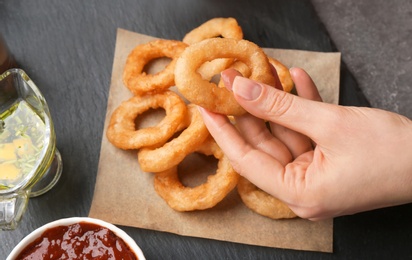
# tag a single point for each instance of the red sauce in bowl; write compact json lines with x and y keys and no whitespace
{"x":78,"y":241}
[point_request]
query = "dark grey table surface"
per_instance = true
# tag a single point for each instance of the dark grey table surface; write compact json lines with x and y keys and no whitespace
{"x":67,"y":48}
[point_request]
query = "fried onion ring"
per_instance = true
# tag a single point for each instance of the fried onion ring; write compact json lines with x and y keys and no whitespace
{"x":174,"y":151}
{"x":283,"y":73}
{"x":206,"y":94}
{"x":261,"y":202}
{"x":215,"y":27}
{"x":122,"y":132}
{"x":204,"y":196}
{"x":134,"y":77}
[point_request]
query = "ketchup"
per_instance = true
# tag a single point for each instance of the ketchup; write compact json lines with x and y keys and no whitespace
{"x":77,"y":241}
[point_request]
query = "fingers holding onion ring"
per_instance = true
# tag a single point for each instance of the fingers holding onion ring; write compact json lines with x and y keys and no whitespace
{"x":203,"y":53}
{"x":122,"y":132}
{"x":261,"y":202}
{"x":204,"y":196}
{"x":174,"y":151}
{"x":134,"y":77}
{"x":282,"y":71}
{"x":206,"y":94}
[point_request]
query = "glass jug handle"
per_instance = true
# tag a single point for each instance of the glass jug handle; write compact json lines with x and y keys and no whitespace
{"x":12,"y":207}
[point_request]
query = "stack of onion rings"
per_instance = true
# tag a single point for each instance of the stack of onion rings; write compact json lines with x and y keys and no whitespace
{"x":160,"y":149}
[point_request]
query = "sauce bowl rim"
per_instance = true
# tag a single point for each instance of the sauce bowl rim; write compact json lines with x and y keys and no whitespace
{"x":73,"y":220}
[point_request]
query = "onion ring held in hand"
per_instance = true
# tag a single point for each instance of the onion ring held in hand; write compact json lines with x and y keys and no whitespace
{"x":134,"y":77}
{"x":122,"y":132}
{"x":224,"y":27}
{"x":206,"y":94}
{"x":204,"y":196}
{"x":173,"y":152}
{"x":261,"y":202}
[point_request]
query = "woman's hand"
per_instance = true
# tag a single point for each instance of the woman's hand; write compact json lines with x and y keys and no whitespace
{"x":322,"y":160}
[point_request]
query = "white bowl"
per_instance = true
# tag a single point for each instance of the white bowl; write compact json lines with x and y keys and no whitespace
{"x":68,"y":221}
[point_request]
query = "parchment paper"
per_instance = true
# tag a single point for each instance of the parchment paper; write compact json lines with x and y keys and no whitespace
{"x":124,"y":195}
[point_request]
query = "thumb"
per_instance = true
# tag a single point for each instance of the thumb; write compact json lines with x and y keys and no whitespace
{"x":311,"y":118}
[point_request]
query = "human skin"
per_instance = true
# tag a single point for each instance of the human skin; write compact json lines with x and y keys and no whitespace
{"x":322,"y":160}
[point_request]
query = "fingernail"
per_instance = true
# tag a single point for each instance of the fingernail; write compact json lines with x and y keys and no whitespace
{"x":226,"y":81}
{"x":201,"y":109}
{"x":228,"y":76}
{"x":292,"y":70}
{"x":246,"y":88}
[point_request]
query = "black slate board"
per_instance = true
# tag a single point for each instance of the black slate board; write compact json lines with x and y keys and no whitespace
{"x":67,"y":48}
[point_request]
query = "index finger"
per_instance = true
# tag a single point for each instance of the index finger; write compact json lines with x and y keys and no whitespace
{"x":255,"y":165}
{"x":297,"y":143}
